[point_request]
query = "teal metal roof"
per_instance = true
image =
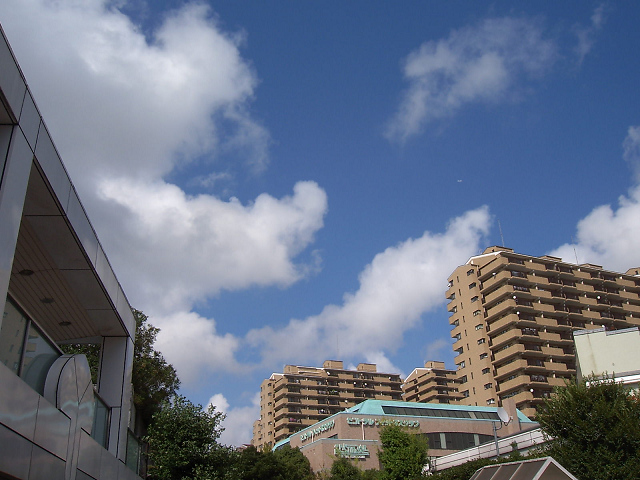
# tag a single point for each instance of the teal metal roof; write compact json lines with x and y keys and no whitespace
{"x":375,"y":407}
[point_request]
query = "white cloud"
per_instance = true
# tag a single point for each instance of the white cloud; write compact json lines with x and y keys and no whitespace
{"x":396,"y":288}
{"x":182,"y":249}
{"x":192,"y":345}
{"x":609,"y":236}
{"x":586,"y":35}
{"x":220,"y":402}
{"x":238,"y":424}
{"x":483,"y":63}
{"x":120,"y":104}
{"x":127,"y":109}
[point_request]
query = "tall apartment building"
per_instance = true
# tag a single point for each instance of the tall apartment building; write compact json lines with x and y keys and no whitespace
{"x":513,"y":316}
{"x":302,"y":396}
{"x":432,"y":384}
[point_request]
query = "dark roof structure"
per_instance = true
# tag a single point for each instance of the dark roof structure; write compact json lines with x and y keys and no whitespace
{"x":545,"y":468}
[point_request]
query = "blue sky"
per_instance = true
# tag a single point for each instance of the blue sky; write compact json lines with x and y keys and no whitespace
{"x":287,"y":182}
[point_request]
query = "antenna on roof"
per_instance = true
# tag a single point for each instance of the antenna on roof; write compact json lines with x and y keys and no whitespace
{"x":501,"y":237}
{"x":574,"y":250}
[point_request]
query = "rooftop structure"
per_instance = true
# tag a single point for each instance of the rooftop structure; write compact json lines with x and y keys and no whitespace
{"x":513,"y":318}
{"x":301,"y":396}
{"x":56,"y":287}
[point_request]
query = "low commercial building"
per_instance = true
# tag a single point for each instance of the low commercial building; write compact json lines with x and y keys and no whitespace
{"x":301,"y":396}
{"x":355,"y":432}
{"x":56,"y":287}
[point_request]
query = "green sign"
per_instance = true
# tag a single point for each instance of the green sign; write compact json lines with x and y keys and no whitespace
{"x":350,"y":451}
{"x":317,"y":431}
{"x":381,"y":422}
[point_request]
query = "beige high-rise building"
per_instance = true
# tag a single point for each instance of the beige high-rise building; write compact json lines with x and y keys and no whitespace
{"x":302,"y":396}
{"x":513,"y":316}
{"x":432,"y":384}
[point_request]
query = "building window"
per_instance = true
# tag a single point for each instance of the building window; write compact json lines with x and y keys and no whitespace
{"x":476,"y":313}
{"x":459,"y":351}
{"x":487,"y":386}
{"x":472,"y":285}
{"x":479,"y":326}
{"x":481,"y":341}
{"x":465,"y":393}
{"x":462,"y":365}
{"x":454,"y":309}
{"x":457,"y":336}
{"x":483,"y":356}
{"x":474,"y":299}
{"x":485,"y":371}
{"x":32,"y":362}
{"x":456,"y":322}
{"x":491,"y":401}
{"x":463,"y":379}
{"x":470,"y":272}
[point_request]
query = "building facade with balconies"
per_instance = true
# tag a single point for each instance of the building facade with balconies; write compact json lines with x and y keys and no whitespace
{"x":302,"y":396}
{"x":434,"y":383}
{"x":513,"y":318}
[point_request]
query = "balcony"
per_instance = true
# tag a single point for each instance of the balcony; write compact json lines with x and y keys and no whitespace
{"x":553,"y":351}
{"x":516,"y":382}
{"x":510,"y":368}
{"x":510,"y":319}
{"x":501,"y":308}
{"x":512,"y":351}
{"x":551,"y":337}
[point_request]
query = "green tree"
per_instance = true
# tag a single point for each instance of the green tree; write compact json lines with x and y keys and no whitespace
{"x":343,"y":469}
{"x":403,"y":454}
{"x":154,"y":380}
{"x":593,"y":429}
{"x":293,"y":464}
{"x":286,"y":463}
{"x":183,"y":442}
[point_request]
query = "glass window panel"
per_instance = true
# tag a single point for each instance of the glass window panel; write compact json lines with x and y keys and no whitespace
{"x":12,"y":332}
{"x":38,"y":357}
{"x":100,"y":430}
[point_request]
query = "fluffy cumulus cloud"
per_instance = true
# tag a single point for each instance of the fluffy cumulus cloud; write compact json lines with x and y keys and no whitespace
{"x":396,"y":288}
{"x":608,"y":236}
{"x":128,"y":107}
{"x":208,"y":244}
{"x":483,"y":63}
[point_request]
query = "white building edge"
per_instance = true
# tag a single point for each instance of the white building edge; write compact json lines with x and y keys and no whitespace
{"x":56,"y":287}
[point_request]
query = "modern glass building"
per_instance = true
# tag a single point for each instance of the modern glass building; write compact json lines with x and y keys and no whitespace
{"x":56,"y":287}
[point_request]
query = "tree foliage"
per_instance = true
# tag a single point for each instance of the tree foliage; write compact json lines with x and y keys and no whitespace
{"x":286,"y":463}
{"x":154,"y":380}
{"x":594,"y":430}
{"x":403,"y":455}
{"x":343,"y":469}
{"x":183,"y":442}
